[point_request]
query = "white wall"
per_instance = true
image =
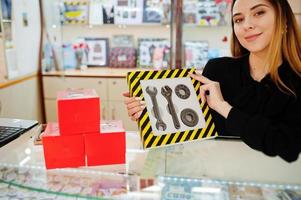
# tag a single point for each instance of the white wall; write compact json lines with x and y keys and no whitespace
{"x":26,"y":39}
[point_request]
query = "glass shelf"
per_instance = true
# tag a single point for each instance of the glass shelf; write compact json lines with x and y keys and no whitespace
{"x":7,"y":21}
{"x":211,"y":168}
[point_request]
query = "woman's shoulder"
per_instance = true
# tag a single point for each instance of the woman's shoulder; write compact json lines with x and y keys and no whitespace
{"x":225,"y":60}
{"x":223,"y":65}
{"x":290,"y":78}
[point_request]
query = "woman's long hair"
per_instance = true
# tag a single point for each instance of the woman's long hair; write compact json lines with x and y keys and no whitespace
{"x":285,"y":43}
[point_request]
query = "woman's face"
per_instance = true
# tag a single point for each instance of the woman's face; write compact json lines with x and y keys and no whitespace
{"x":254,"y":24}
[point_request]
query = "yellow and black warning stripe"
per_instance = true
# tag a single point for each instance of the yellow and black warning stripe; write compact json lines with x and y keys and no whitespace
{"x":148,"y":138}
{"x":76,"y":2}
{"x":75,"y":22}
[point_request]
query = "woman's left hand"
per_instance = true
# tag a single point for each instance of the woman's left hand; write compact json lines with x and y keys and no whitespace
{"x":210,"y":91}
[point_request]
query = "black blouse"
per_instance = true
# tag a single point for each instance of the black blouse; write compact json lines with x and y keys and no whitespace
{"x":265,"y":118}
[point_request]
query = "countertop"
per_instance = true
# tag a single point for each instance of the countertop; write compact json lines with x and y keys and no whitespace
{"x":219,"y":162}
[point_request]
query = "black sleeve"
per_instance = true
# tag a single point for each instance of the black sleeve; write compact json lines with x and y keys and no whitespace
{"x":281,"y":138}
{"x":211,"y":70}
{"x":216,"y":68}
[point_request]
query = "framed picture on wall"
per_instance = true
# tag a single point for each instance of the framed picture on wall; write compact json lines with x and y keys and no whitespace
{"x":98,"y":51}
{"x":122,"y":41}
{"x":152,"y":11}
{"x":156,"y":11}
{"x":6,"y":6}
{"x":190,"y":12}
{"x":196,"y":54}
{"x":153,"y":52}
{"x":128,"y":11}
{"x":108,"y":11}
{"x":95,"y":12}
{"x":75,"y":12}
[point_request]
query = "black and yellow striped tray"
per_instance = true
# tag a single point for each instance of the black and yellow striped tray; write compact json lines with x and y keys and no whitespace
{"x":148,"y":138}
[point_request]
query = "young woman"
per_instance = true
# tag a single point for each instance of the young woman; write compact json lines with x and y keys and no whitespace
{"x":256,"y":94}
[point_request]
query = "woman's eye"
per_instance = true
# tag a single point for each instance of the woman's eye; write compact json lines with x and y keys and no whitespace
{"x":238,"y":20}
{"x":259,"y":13}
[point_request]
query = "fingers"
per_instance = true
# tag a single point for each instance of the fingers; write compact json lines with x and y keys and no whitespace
{"x":131,"y":103}
{"x":134,"y":105}
{"x":136,"y":112}
{"x":126,"y":94}
{"x":128,"y":100}
{"x":204,"y":90}
{"x":136,"y":116}
{"x":202,"y":94}
{"x":194,"y":76}
{"x":200,"y":78}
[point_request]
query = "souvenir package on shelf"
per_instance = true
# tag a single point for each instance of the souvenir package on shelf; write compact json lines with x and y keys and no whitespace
{"x":189,"y":188}
{"x":96,"y":12}
{"x":174,"y":112}
{"x":207,"y":13}
{"x":69,"y":61}
{"x":196,"y":54}
{"x":107,"y":11}
{"x":156,"y":11}
{"x":212,"y":12}
{"x":190,"y":12}
{"x":153,"y":52}
{"x":224,"y":9}
{"x":26,"y":182}
{"x":122,"y":41}
{"x":74,"y":12}
{"x":123,"y":57}
{"x":123,"y":52}
{"x":98,"y":51}
{"x":6,"y":6}
{"x":101,"y":12}
{"x":192,"y":189}
{"x":128,"y":11}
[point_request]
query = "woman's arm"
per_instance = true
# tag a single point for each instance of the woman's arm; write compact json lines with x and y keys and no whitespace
{"x":273,"y":137}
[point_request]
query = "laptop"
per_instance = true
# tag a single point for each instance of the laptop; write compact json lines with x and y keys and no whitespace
{"x":10,"y":129}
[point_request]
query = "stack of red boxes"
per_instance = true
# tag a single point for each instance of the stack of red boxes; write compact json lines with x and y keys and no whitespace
{"x":77,"y":140}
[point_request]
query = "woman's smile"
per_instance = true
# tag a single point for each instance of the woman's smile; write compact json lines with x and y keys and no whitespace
{"x":250,"y":38}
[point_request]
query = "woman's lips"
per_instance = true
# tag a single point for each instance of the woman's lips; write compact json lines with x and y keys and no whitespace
{"x":252,"y":37}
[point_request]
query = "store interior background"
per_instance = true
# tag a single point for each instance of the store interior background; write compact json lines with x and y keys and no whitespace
{"x":29,"y":80}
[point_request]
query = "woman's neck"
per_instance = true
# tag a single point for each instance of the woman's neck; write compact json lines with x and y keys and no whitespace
{"x":258,"y":65}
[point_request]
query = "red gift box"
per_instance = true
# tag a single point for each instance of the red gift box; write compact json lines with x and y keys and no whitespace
{"x":78,"y":111}
{"x":107,"y":147}
{"x":62,"y":151}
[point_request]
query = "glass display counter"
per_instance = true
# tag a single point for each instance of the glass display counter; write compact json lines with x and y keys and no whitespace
{"x":213,"y":169}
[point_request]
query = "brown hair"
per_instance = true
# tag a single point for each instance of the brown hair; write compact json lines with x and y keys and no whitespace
{"x":285,"y":43}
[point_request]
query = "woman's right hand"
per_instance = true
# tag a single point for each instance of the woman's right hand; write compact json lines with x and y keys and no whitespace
{"x":134,"y":105}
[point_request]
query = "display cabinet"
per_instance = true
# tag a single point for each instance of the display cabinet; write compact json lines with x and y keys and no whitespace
{"x":19,"y":20}
{"x":93,"y":36}
{"x":101,"y":37}
{"x":80,"y":34}
{"x":212,"y":169}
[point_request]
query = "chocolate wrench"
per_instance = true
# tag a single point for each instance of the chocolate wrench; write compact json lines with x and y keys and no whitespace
{"x":166,"y":91}
{"x":152,"y":92}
